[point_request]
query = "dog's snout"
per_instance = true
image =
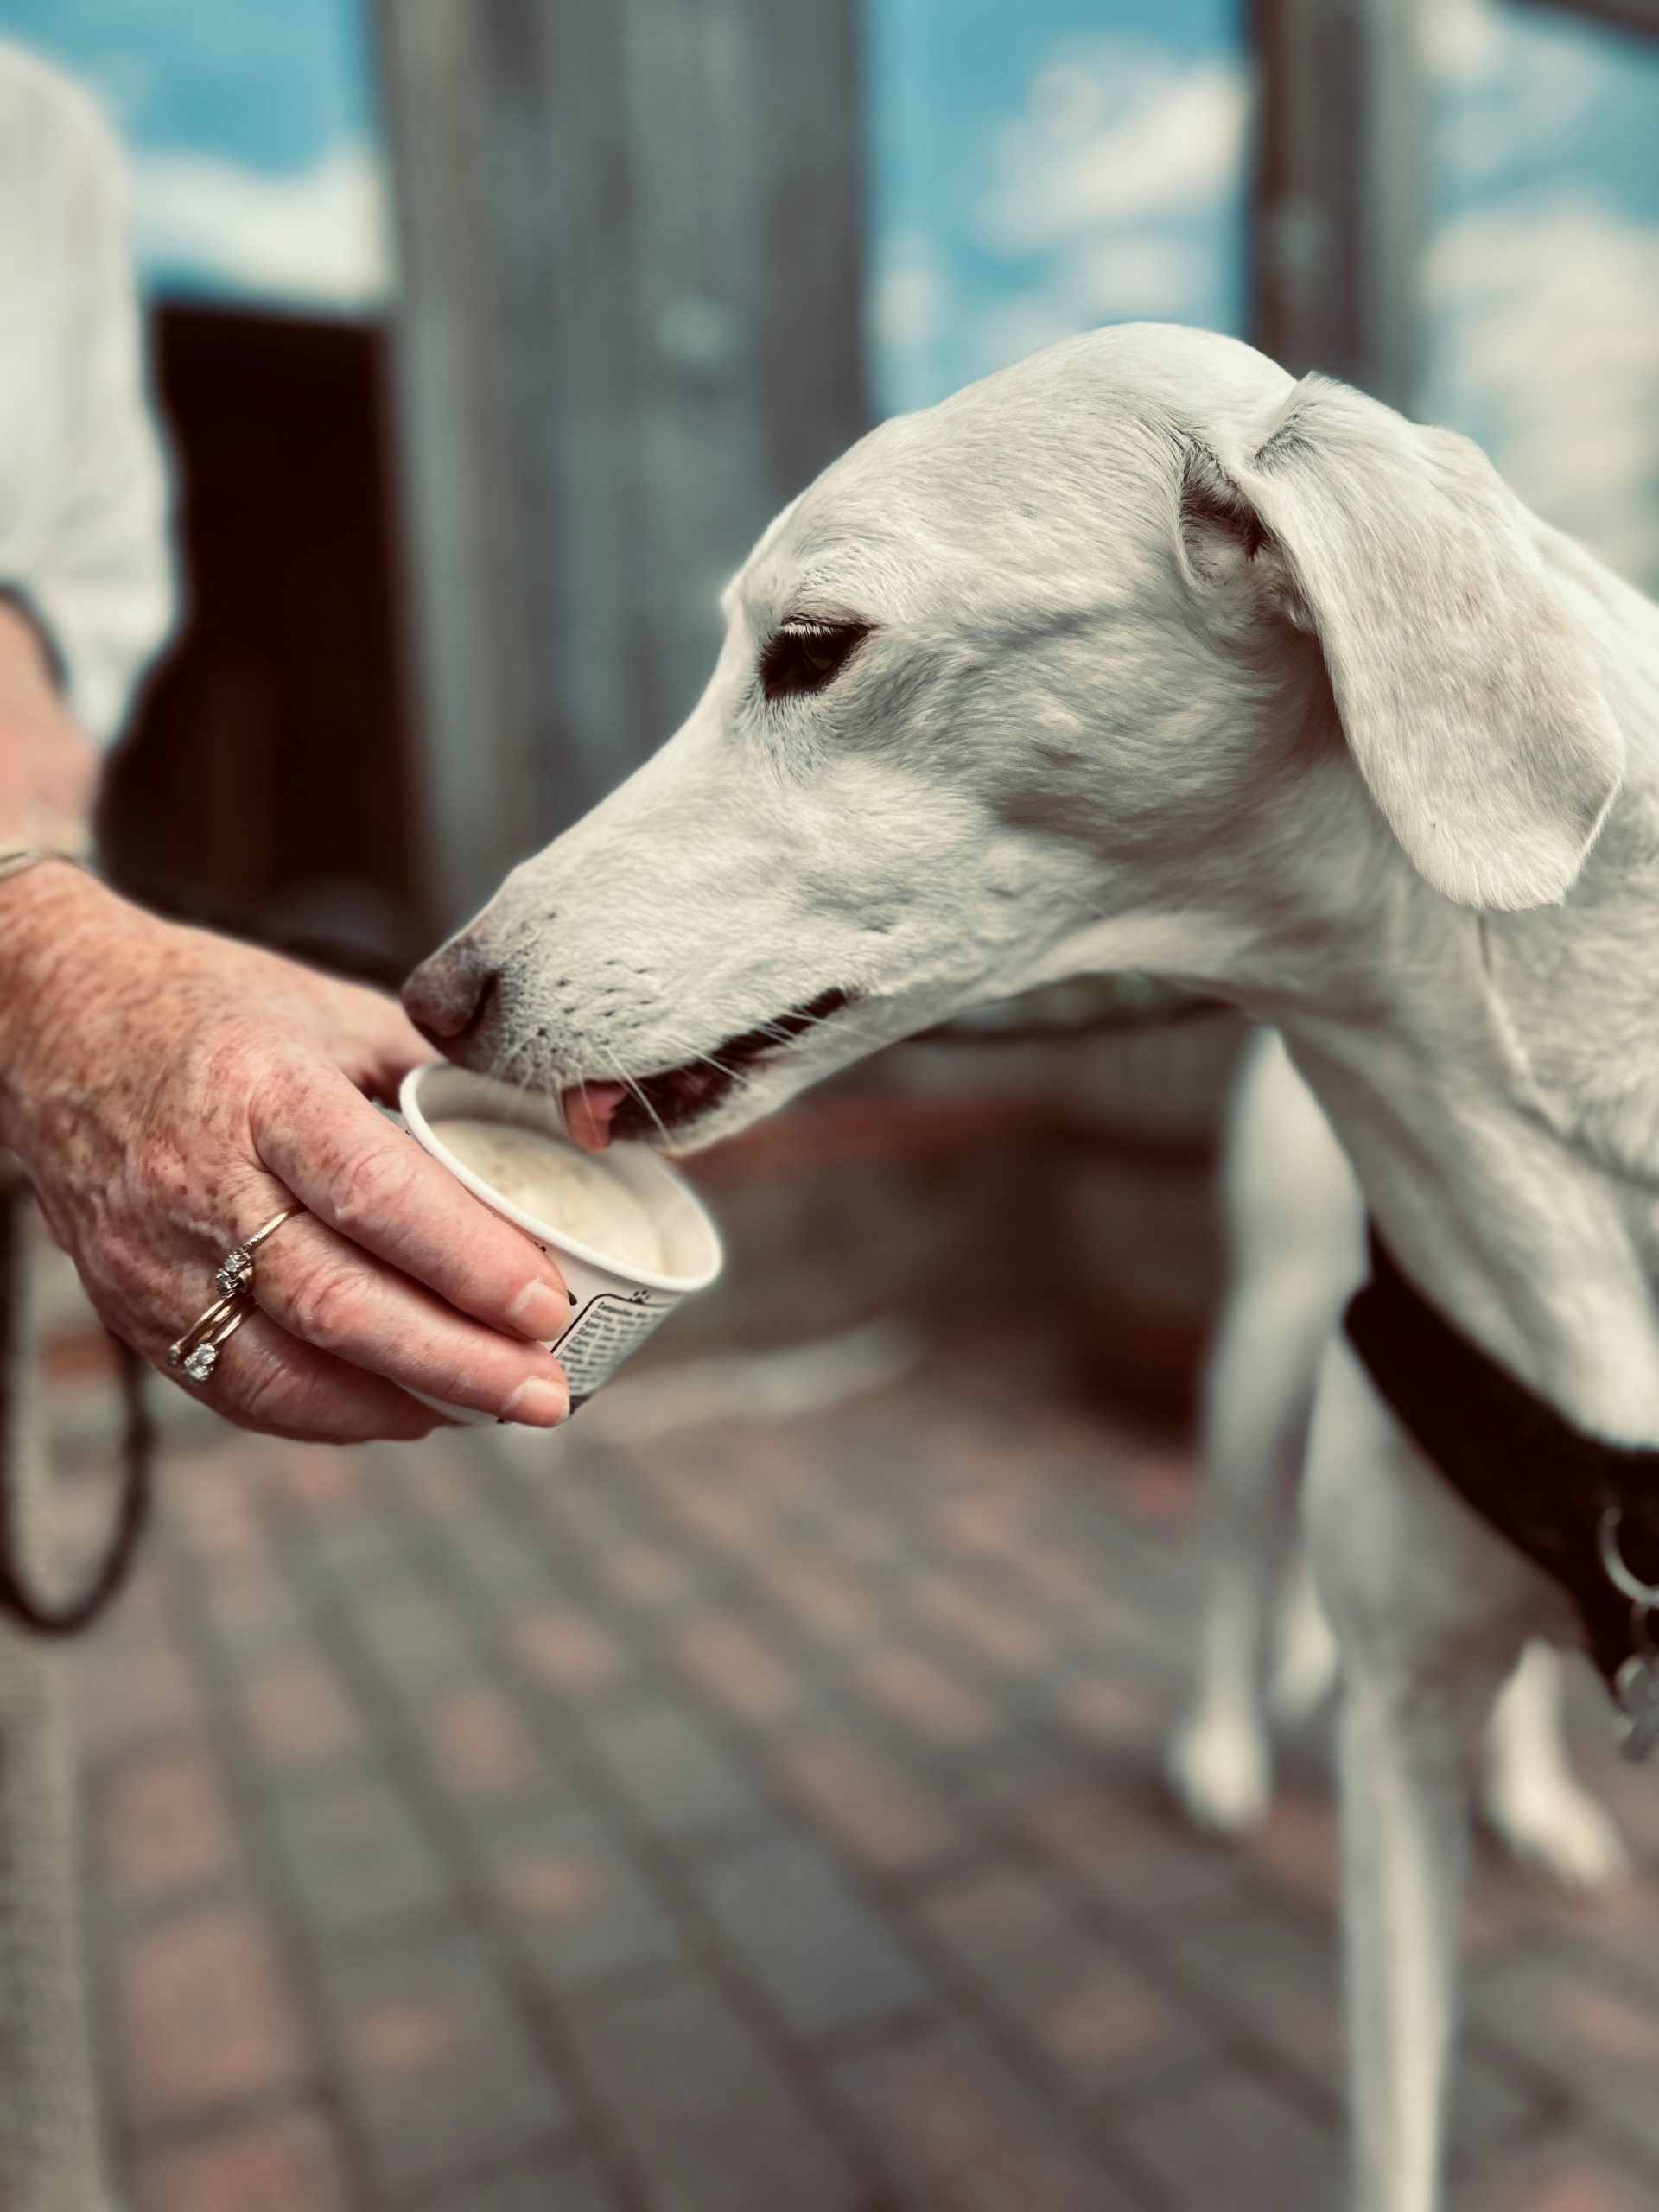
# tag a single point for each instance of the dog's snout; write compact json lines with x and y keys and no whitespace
{"x":449,"y":996}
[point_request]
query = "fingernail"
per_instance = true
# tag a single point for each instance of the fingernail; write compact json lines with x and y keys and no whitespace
{"x":538,"y":1403}
{"x":539,"y":1310}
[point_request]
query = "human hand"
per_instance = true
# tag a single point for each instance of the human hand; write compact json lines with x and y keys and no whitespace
{"x":168,"y":1091}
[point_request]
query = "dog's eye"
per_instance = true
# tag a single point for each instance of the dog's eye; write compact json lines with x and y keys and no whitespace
{"x":807,"y":656}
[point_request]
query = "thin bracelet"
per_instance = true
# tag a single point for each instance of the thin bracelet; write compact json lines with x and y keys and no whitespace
{"x":28,"y":856}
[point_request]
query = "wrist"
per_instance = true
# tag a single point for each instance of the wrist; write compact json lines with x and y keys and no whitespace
{"x":55,"y":925}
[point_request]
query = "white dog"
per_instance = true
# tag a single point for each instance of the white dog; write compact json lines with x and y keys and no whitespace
{"x":1141,"y":656}
{"x":1296,"y":1250}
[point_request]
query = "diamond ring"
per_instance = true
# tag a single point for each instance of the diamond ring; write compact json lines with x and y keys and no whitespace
{"x":236,"y":1268}
{"x":197,"y":1350}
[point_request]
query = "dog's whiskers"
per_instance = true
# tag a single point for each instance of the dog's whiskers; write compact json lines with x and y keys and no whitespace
{"x":518,"y":1058}
{"x":707,"y":1060}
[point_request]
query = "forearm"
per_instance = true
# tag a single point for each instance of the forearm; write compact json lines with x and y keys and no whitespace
{"x":47,"y":766}
{"x":60,"y":931}
{"x":26,"y":643}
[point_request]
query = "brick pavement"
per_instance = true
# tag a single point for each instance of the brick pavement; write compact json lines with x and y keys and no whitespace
{"x":752,"y":1820}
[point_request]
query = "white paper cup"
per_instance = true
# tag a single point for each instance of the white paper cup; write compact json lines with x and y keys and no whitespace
{"x":614,"y":1307}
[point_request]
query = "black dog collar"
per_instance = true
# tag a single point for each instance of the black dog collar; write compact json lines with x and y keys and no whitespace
{"x":1584,"y":1510}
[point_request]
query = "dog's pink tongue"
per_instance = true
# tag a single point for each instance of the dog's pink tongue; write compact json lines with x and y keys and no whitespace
{"x":589,"y":1111}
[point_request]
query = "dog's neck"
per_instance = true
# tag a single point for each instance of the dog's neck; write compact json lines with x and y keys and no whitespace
{"x":1496,"y":1078}
{"x":1524,"y":1233}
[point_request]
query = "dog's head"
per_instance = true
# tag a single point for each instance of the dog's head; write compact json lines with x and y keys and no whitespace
{"x":1046,"y":679}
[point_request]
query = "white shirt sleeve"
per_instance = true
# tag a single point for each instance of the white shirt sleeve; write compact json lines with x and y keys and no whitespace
{"x":83,"y":525}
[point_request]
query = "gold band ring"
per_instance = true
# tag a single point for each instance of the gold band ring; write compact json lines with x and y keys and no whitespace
{"x":235,"y":1271}
{"x":197,"y":1350}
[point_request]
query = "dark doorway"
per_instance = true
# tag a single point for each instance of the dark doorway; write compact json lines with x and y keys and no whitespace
{"x":268,"y":784}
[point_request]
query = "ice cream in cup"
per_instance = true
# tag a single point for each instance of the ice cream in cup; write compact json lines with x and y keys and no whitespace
{"x":630,"y":1237}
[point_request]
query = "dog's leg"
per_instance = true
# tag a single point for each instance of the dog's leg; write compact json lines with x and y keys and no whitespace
{"x":1532,"y":1798}
{"x":1261,"y":1386}
{"x":1430,"y":1613}
{"x":1404,"y":1742}
{"x":1294,"y":1227}
{"x":1305,"y":1654}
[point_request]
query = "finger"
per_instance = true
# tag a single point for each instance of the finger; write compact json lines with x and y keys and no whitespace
{"x":267,"y":1380}
{"x":391,"y":1046}
{"x":264,"y":1378}
{"x":377,"y":1188}
{"x":328,"y":1293}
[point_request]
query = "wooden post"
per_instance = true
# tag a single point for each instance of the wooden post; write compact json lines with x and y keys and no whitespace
{"x":1337,"y":199}
{"x":631,"y":327}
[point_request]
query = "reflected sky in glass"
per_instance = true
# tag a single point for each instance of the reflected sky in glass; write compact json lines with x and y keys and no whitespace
{"x":1542,"y":280}
{"x":1038,"y":169}
{"x":1035,"y":169}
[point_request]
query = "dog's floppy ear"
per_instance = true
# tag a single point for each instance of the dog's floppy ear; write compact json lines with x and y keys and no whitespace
{"x":1468,"y":696}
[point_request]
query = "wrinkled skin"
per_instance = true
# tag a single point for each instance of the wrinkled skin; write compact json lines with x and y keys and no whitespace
{"x":168,"y":1091}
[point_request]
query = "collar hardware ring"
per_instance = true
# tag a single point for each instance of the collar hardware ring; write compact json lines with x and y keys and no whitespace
{"x":1636,"y":1686}
{"x":1643,"y":1594}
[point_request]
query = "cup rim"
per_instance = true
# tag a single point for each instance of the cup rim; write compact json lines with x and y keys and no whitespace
{"x":546,"y":1231}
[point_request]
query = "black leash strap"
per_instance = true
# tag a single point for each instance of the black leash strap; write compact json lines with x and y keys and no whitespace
{"x":1546,"y":1486}
{"x":70,"y":1616}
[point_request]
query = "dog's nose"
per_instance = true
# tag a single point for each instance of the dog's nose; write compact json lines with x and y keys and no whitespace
{"x":448,"y":997}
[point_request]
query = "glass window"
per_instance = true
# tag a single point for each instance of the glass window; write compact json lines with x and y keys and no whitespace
{"x":1542,"y":336}
{"x":1038,"y":169}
